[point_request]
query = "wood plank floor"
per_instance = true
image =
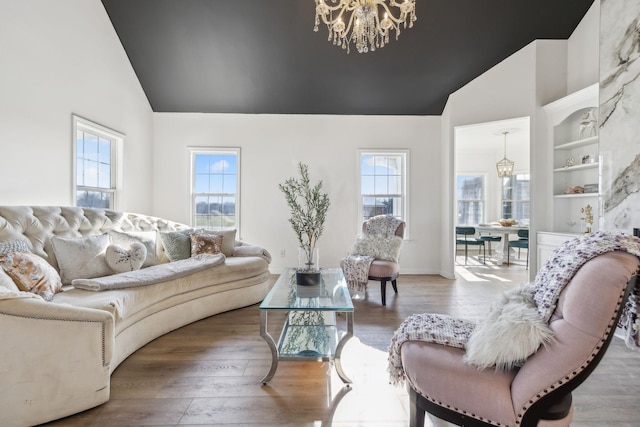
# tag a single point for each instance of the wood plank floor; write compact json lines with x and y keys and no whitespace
{"x":208,"y":373}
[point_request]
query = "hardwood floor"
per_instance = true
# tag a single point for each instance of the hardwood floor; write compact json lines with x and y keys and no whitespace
{"x":208,"y":373}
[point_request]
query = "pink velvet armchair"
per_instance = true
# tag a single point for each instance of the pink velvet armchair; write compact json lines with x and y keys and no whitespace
{"x":539,"y":392}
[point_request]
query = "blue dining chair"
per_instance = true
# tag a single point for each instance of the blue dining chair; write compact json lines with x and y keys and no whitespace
{"x":521,"y":243}
{"x":463,"y":238}
{"x":488,"y":239}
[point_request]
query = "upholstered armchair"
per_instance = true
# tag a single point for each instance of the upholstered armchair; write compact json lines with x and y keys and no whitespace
{"x":380,"y":240}
{"x":536,"y":391}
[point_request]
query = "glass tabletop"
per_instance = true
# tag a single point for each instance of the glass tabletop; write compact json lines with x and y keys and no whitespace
{"x":331,"y":294}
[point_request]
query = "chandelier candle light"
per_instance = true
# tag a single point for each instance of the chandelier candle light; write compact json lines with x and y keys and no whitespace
{"x":505,"y":166}
{"x":359,"y":21}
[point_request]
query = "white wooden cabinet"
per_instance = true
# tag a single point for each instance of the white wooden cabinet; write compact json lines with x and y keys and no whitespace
{"x":547,"y":242}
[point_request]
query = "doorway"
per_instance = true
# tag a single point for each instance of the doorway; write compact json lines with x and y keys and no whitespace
{"x":484,"y":198}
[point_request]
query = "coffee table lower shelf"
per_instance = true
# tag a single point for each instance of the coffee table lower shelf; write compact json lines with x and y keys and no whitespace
{"x":308,"y":336}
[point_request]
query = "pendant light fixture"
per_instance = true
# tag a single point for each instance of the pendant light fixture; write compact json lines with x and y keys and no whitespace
{"x":505,"y":166}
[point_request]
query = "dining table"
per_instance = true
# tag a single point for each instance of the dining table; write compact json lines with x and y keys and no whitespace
{"x":496,"y":228}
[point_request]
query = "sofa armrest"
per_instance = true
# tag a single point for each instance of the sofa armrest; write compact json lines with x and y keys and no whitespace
{"x":252,"y":250}
{"x":55,"y":360}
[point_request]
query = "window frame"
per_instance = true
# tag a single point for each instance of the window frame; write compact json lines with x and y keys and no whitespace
{"x":79,"y":123}
{"x":405,"y":184}
{"x":193,"y":152}
{"x":515,"y":202}
{"x":484,"y":199}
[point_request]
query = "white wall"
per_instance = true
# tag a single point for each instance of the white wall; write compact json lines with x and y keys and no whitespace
{"x":516,"y":87}
{"x":59,"y":58}
{"x":583,"y":58}
{"x":271,"y":147}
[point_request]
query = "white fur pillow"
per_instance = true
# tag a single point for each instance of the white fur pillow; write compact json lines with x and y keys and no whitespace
{"x":512,"y":331}
{"x":121,"y":260}
{"x":81,"y":257}
{"x":378,"y":246}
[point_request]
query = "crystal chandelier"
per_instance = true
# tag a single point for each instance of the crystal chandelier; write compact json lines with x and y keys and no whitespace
{"x":358,"y":21}
{"x":505,"y":166}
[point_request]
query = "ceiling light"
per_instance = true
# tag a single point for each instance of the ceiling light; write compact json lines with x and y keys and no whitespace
{"x":359,"y":21}
{"x":505,"y":166}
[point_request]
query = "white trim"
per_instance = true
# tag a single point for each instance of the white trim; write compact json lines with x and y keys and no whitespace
{"x":405,"y":183}
{"x":192,"y":152}
{"x":117,"y":156}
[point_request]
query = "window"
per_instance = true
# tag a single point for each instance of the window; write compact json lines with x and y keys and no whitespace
{"x":515,"y":198}
{"x":383,"y":184}
{"x":470,"y":195}
{"x":97,"y":175}
{"x":215,"y":188}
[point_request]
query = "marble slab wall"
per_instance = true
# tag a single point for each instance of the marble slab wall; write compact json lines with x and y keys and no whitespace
{"x":620,"y":114}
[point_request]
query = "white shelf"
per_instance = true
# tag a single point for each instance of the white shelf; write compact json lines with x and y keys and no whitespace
{"x":577,"y":167}
{"x":577,"y":144}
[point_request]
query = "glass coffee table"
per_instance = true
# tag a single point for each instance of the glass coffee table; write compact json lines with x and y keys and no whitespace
{"x":310,"y":330}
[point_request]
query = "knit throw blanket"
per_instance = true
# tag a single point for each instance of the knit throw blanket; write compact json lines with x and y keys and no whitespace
{"x":356,"y":265}
{"x":541,"y":297}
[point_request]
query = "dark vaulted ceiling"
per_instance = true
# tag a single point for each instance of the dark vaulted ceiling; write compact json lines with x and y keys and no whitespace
{"x":262,"y":56}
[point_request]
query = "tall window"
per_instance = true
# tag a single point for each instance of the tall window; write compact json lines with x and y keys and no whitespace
{"x":215,"y":189}
{"x":97,"y":176}
{"x":383,"y":176}
{"x":515,"y":197}
{"x":471,"y":199}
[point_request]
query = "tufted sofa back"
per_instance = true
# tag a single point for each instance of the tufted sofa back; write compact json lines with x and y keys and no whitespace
{"x":36,"y":225}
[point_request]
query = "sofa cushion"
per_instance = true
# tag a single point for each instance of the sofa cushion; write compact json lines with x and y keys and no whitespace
{"x":205,"y":243}
{"x":147,"y":238}
{"x":81,"y":257}
{"x":31,"y":273}
{"x":121,"y":259}
{"x":177,"y":244}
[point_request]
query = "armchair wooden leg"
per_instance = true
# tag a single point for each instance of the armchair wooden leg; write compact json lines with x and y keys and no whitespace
{"x":383,"y":291}
{"x":416,"y":414}
{"x":395,"y":286}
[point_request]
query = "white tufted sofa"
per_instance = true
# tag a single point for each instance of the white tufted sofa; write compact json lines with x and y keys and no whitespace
{"x":56,"y":357}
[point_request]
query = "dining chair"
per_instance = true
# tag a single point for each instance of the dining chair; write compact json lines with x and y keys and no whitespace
{"x":463,"y":238}
{"x":488,"y":239}
{"x":521,"y":243}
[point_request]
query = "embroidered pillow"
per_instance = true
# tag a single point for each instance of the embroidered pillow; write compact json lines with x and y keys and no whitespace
{"x":147,"y":238}
{"x":205,"y":243}
{"x":31,"y":273}
{"x":121,"y":260}
{"x":378,"y":246}
{"x":81,"y":257}
{"x":177,"y":244}
{"x":13,"y":246}
{"x":228,"y":240}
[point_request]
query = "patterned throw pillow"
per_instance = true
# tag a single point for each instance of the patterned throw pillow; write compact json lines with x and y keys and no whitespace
{"x":228,"y":240}
{"x":147,"y":238}
{"x":13,"y":246}
{"x":204,"y":243}
{"x":121,"y":260}
{"x":31,"y":273}
{"x":81,"y":257}
{"x":177,"y":244}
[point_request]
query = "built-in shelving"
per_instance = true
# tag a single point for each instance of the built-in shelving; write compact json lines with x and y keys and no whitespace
{"x":574,"y":149}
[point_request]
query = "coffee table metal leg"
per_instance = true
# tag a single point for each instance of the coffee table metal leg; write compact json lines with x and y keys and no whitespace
{"x":272,"y":346}
{"x":341,"y":343}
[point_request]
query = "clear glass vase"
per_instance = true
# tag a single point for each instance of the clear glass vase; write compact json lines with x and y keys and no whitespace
{"x":308,"y":259}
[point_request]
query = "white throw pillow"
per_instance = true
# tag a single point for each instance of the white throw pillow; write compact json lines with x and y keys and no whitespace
{"x":81,"y":257}
{"x":147,"y":238}
{"x":378,"y":246}
{"x":7,"y":282}
{"x":121,"y":260}
{"x":512,"y":331}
